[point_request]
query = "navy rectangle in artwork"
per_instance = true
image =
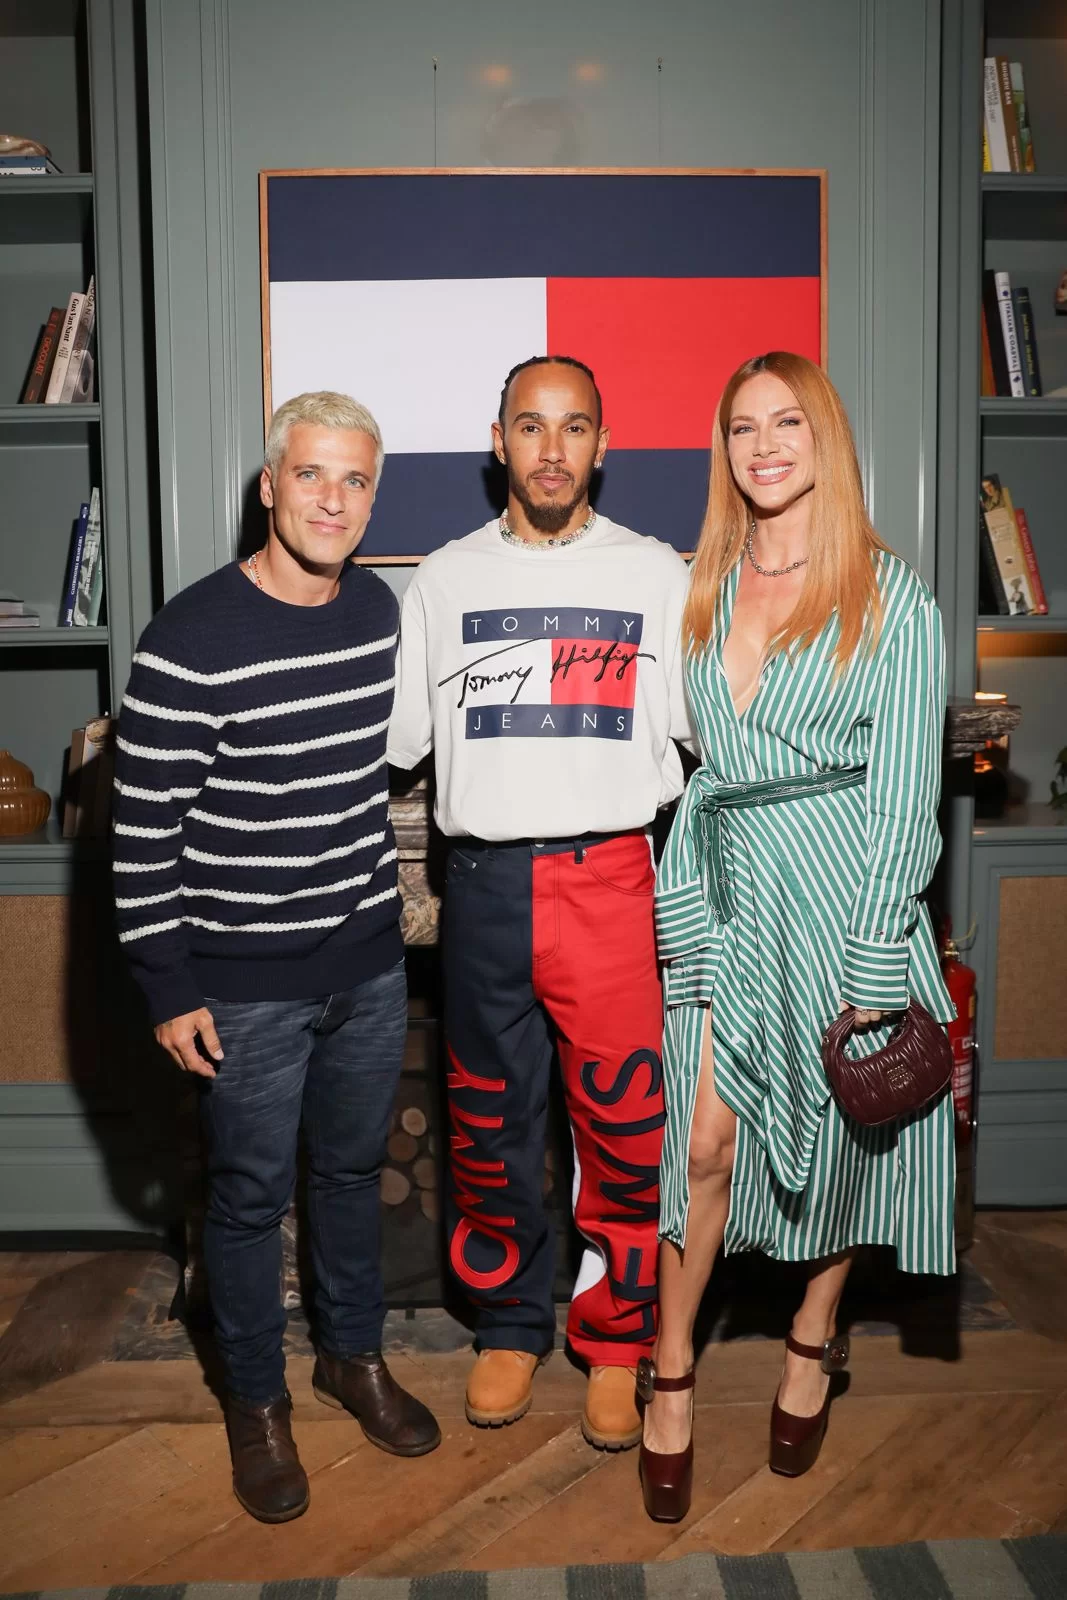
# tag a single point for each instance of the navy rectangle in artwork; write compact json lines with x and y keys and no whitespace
{"x":424,"y":500}
{"x":551,"y":622}
{"x":549,"y":722}
{"x":624,"y":225}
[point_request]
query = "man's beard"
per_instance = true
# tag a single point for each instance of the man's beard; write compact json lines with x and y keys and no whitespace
{"x":547,"y":516}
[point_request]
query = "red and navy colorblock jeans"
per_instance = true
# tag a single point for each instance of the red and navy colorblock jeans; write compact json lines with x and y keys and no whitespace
{"x":551,"y":945}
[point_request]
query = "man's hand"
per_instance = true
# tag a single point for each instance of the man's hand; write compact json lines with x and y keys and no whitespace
{"x":178,"y":1038}
{"x":864,"y":1019}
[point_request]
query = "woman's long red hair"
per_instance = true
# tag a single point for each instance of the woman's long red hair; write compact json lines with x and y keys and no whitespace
{"x":841,"y":578}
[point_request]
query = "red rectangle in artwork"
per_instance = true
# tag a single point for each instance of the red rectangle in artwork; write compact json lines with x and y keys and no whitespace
{"x":663,"y":348}
{"x":593,"y":672}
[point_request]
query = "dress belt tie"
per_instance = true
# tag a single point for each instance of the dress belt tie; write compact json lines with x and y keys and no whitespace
{"x":707,"y":820}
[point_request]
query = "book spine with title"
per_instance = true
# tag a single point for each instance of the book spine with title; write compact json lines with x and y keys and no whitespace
{"x":1030,"y":556}
{"x":77,"y":550}
{"x":1024,"y":328}
{"x":999,"y":516}
{"x":996,"y":134}
{"x":1009,"y":113}
{"x":64,"y":349}
{"x":43,"y":359}
{"x":80,"y":348}
{"x":1010,"y":333}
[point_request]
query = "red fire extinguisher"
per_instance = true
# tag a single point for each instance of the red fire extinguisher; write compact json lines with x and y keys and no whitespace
{"x":961,"y":982}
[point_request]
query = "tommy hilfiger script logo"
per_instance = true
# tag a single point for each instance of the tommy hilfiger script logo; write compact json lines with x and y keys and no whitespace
{"x":548,"y":672}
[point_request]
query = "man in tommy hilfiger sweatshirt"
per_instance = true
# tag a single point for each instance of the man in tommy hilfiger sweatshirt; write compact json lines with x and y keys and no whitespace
{"x":540,"y":657}
{"x":256,"y":894}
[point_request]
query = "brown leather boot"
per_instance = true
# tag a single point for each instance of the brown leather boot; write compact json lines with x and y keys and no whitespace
{"x":500,"y":1387}
{"x":610,"y":1420}
{"x":268,"y":1479}
{"x":390,"y":1417}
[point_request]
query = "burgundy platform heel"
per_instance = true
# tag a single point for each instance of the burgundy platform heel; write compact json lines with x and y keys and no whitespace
{"x":666,"y":1479}
{"x":796,"y":1441}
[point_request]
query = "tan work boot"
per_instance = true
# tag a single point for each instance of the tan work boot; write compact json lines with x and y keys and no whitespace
{"x":611,"y":1420}
{"x":500,"y":1387}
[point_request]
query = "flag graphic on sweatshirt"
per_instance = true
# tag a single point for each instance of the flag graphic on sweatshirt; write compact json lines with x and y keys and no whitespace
{"x":417,"y":293}
{"x":548,"y":672}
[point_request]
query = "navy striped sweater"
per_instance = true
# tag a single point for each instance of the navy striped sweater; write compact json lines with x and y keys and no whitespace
{"x":253,"y":854}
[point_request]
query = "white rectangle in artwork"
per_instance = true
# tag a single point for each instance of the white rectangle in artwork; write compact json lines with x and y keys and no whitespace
{"x":428,"y":357}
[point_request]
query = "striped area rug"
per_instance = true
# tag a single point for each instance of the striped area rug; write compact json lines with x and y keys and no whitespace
{"x":978,"y":1569}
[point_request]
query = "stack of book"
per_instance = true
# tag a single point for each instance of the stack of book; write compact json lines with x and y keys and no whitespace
{"x":1009,"y":577}
{"x":15,"y":613}
{"x":63,"y":365}
{"x":33,"y":165}
{"x":1008,"y":145}
{"x":83,"y":592}
{"x":1009,"y":344}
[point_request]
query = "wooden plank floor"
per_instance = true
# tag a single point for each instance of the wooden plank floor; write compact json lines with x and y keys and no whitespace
{"x":117,"y":1472}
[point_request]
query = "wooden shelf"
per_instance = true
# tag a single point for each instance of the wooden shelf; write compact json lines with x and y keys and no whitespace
{"x":1023,"y":183}
{"x":22,"y":637}
{"x":1031,"y":624}
{"x":1028,"y":824}
{"x":49,"y":845}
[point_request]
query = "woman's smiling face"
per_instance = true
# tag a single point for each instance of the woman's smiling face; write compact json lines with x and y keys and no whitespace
{"x":772,"y":448}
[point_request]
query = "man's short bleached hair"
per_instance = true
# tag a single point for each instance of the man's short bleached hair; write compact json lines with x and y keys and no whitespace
{"x":323,"y":408}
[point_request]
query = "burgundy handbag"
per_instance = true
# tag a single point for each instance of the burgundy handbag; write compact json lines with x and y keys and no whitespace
{"x":910,"y":1070}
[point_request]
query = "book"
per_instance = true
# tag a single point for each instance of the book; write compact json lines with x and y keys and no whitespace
{"x":80,"y":347}
{"x":992,"y":599}
{"x":994,"y":118}
{"x":43,"y":357}
{"x":989,"y":383}
{"x":1030,"y":557}
{"x":66,"y":610}
{"x":34,"y":166}
{"x":24,"y":619}
{"x":64,"y":348}
{"x":90,"y":773}
{"x":995,"y":333}
{"x":91,"y":572}
{"x":999,"y":517}
{"x":1026,"y":138}
{"x":11,"y":605}
{"x":1010,"y":334}
{"x":987,"y":163}
{"x":1024,"y":327}
{"x":1011,"y":117}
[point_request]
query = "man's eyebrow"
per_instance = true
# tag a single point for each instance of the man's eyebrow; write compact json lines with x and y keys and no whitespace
{"x":539,"y":416}
{"x":316,"y":466}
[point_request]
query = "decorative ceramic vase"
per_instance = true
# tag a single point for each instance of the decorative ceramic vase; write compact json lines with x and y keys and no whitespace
{"x":23,"y":808}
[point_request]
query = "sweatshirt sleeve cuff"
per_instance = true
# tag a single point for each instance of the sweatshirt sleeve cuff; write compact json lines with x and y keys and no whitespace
{"x":876,"y":974}
{"x":170,"y":994}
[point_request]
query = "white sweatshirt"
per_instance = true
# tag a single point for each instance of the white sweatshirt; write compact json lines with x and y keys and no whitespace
{"x":549,"y":683}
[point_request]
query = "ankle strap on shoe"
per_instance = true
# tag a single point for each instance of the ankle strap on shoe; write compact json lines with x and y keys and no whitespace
{"x":649,"y":1382}
{"x":832,"y":1355}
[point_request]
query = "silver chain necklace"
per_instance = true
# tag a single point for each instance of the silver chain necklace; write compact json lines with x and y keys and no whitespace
{"x":555,"y":542}
{"x":769,"y":572}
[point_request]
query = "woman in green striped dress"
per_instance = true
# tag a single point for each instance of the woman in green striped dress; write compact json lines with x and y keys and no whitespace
{"x":789,"y":889}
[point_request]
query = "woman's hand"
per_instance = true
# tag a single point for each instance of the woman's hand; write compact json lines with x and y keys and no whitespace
{"x":865,"y":1018}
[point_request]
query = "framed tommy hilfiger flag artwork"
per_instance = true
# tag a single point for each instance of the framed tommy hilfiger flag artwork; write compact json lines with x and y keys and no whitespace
{"x":417,"y":291}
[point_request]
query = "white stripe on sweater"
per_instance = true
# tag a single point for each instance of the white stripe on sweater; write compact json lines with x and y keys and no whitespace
{"x":287,"y":927}
{"x":323,"y":781}
{"x":146,"y":833}
{"x":285,"y":708}
{"x":351,"y":736}
{"x":325,"y":819}
{"x":147,"y":899}
{"x":154,"y":753}
{"x":162,"y":795}
{"x":357,"y":882}
{"x":258,"y":669}
{"x":143,"y":866}
{"x":209,"y":860}
{"x":149,"y":928}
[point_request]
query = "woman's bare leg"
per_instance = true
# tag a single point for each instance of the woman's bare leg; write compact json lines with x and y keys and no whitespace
{"x":804,"y":1383}
{"x":684,"y":1274}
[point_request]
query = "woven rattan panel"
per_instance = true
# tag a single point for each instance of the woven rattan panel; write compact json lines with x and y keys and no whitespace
{"x":51,"y":1003}
{"x":1031,"y":1022}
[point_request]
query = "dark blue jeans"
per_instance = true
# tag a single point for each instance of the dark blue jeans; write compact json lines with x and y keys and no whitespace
{"x":330,"y":1065}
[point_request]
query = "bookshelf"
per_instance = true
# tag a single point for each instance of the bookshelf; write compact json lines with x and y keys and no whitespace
{"x":1010,"y":871}
{"x":72,"y":76}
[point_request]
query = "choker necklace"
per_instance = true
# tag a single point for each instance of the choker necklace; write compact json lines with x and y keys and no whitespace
{"x":252,"y":564}
{"x":769,"y":572}
{"x":554,"y":542}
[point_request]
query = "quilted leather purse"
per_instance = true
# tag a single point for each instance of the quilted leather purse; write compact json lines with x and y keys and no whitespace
{"x":910,"y":1070}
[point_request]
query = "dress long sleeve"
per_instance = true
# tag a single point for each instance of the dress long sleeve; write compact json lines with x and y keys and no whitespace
{"x":903,"y":788}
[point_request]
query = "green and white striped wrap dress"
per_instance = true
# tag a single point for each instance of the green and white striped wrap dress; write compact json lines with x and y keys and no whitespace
{"x":817,"y":901}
